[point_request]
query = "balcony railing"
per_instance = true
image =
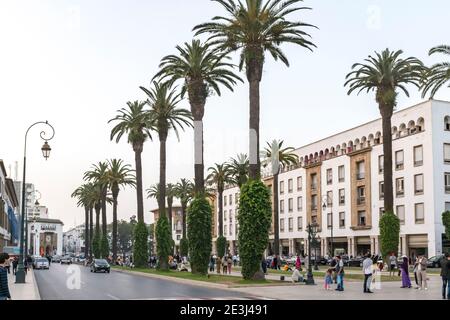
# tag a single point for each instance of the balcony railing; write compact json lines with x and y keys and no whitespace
{"x":361,"y":200}
{"x":314,"y":186}
{"x":360,"y":176}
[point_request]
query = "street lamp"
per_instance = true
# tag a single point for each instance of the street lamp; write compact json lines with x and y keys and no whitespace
{"x":327,"y":202}
{"x":312,"y":230}
{"x":36,"y":203}
{"x":20,"y":274}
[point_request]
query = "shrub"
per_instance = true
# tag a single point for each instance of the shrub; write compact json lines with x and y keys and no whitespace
{"x":389,"y":233}
{"x":96,"y":245}
{"x":184,"y":247}
{"x":221,"y":244}
{"x":446,"y":223}
{"x":199,"y":234}
{"x":140,"y":247}
{"x":255,"y":217}
{"x":104,"y":246}
{"x":163,"y":242}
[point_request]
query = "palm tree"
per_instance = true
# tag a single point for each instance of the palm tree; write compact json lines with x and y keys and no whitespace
{"x":220,"y":176}
{"x":82,"y":195}
{"x":118,"y":175}
{"x":239,"y":168}
{"x":203,"y":69}
{"x":438,"y":74}
{"x":95,"y":200}
{"x":165,"y":116}
{"x":184,"y":190}
{"x":278,"y":157}
{"x":134,"y":122}
{"x":154,"y":191}
{"x":385,"y":74}
{"x":255,"y":27}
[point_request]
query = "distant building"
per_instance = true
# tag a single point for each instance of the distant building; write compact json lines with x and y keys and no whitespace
{"x":177,"y":225}
{"x":73,"y":240}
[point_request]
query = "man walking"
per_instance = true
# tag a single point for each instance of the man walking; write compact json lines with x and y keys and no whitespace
{"x":340,"y":274}
{"x":367,"y":270}
{"x":392,"y":264}
{"x":422,"y":273}
{"x":445,"y":274}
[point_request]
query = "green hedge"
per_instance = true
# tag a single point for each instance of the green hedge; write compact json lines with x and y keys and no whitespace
{"x":199,"y":234}
{"x":96,"y":245}
{"x":163,"y":242}
{"x":255,"y":218}
{"x":389,"y":233}
{"x":140,"y":247}
{"x":446,"y":223}
{"x":221,"y":244}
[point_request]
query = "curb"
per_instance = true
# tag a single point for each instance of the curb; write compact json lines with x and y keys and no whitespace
{"x":36,"y":288}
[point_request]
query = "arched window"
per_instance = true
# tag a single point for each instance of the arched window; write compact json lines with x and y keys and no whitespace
{"x":420,"y":124}
{"x":377,"y":138}
{"x":363,"y":142}
{"x":447,"y":123}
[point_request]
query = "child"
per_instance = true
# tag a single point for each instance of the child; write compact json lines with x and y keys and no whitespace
{"x":328,"y":279}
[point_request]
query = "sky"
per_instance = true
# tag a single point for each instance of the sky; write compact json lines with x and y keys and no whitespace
{"x":75,"y":63}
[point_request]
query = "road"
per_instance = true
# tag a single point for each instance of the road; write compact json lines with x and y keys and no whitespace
{"x":75,"y":282}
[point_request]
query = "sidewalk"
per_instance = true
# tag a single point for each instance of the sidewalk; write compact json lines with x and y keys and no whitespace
{"x":24,"y":291}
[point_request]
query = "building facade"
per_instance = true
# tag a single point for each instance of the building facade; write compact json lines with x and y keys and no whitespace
{"x":177,"y":225}
{"x":338,"y":184}
{"x":9,"y":232}
{"x":45,"y":237}
{"x":73,"y":240}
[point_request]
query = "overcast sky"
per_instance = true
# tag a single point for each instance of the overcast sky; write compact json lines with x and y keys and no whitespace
{"x":74,"y":63}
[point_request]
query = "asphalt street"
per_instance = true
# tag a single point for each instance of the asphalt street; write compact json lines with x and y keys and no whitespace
{"x":76,"y":282}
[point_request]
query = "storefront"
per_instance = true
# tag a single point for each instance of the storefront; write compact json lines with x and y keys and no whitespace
{"x":45,"y":237}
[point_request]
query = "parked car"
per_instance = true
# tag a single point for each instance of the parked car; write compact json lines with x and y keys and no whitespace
{"x":354,"y":262}
{"x":100,"y":265}
{"x":41,"y":263}
{"x":65,"y":260}
{"x":435,"y":262}
{"x":56,"y":258}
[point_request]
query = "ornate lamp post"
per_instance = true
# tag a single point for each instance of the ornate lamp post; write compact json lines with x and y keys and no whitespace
{"x":312,"y":230}
{"x":20,"y":274}
{"x":36,"y":203}
{"x":328,"y":203}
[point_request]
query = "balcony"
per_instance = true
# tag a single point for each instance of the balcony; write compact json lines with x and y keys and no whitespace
{"x":314,"y":186}
{"x":360,"y":176}
{"x":361,"y":201}
{"x":314,"y":207}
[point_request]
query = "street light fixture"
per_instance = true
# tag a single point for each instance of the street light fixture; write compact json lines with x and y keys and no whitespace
{"x":327,"y":202}
{"x":312,"y":231}
{"x":20,"y":274}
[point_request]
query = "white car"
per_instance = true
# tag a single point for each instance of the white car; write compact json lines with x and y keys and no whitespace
{"x":65,"y":260}
{"x":41,"y":263}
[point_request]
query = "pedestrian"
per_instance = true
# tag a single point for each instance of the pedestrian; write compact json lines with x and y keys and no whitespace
{"x":298,"y":263}
{"x":404,"y":268}
{"x":340,"y":274}
{"x":211,"y":264}
{"x":15,"y":263}
{"x":4,"y":289}
{"x":234,"y":260}
{"x":229,"y":264}
{"x":278,"y":263}
{"x":392,"y":264}
{"x":264,"y":265}
{"x":422,"y":272}
{"x":415,"y":270}
{"x":296,"y":276}
{"x":333,"y":266}
{"x":218,"y":264}
{"x":274,"y":262}
{"x":329,"y":279}
{"x":367,"y":270}
{"x":7,"y":263}
{"x":445,"y":274}
{"x":224,"y":265}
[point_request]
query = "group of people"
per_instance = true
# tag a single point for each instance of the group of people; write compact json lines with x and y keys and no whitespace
{"x":221,"y":263}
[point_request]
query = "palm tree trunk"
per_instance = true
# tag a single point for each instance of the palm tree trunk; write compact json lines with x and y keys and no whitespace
{"x":91,"y":229}
{"x":97,"y":220}
{"x":114,"y":229}
{"x":104,"y":222}
{"x":139,"y":192}
{"x":162,"y":178}
{"x":220,"y":213}
{"x":169,"y":213}
{"x":86,"y":232}
{"x":183,"y":216}
{"x":199,"y":167}
{"x":276,"y":215}
{"x":386,"y":114}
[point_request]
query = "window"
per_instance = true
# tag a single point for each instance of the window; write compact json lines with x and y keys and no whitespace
{"x":330,"y":220}
{"x":380,"y":164}
{"x":231,"y":229}
{"x":341,"y":219}
{"x":330,"y":198}
{"x":300,"y":203}
{"x":447,"y":182}
{"x":341,"y":197}
{"x":281,"y":187}
{"x":178,"y":236}
{"x":361,"y":191}
{"x":314,"y":202}
{"x":299,"y":183}
{"x":400,"y":187}
{"x":401,"y":214}
{"x":281,"y":206}
{"x":418,"y":184}
{"x":231,"y":199}
{"x":235,"y":198}
{"x":447,"y":123}
{"x":360,"y":170}
{"x":231,"y":216}
{"x":300,"y":223}
{"x":341,"y":173}
{"x":291,"y":224}
{"x":381,"y":190}
{"x":399,"y":161}
{"x":291,"y":204}
{"x":447,"y":153}
{"x":313,"y":219}
{"x":447,"y":206}
{"x":361,"y":218}
{"x":418,"y":156}
{"x":225,"y":215}
{"x":290,"y":185}
{"x":281,"y":225}
{"x":329,"y":176}
{"x":225,"y":230}
{"x":314,"y":181}
{"x":224,"y":200}
{"x":419,"y":213}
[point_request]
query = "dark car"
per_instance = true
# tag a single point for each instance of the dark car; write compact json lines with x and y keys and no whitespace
{"x":435,"y":262}
{"x":354,"y":262}
{"x":100,"y":265}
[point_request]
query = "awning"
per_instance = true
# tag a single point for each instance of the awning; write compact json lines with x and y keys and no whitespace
{"x":418,"y":241}
{"x":363,"y":240}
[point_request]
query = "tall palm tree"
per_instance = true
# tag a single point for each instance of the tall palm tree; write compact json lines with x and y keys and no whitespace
{"x":255,"y":27}
{"x":439,"y":74}
{"x":95,"y":200}
{"x":239,"y":168}
{"x":82,"y":195}
{"x":278,"y":157}
{"x":220,"y":176}
{"x":99,"y":175}
{"x":184,"y":190}
{"x":165,"y":116}
{"x":385,"y":74}
{"x":134,"y":121}
{"x":153,"y":192}
{"x":203,"y":70}
{"x":118,"y":175}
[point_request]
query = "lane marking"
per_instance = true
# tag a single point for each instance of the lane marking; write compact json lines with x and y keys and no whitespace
{"x":112,"y":297}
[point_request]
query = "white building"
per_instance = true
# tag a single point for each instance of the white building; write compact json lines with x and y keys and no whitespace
{"x":45,"y":236}
{"x":345,"y":172}
{"x":73,"y":241}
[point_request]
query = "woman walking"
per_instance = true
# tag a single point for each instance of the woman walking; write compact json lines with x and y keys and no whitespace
{"x":404,"y":267}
